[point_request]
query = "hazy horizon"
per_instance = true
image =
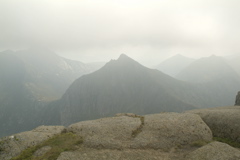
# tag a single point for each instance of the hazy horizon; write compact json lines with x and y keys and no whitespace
{"x":149,"y":31}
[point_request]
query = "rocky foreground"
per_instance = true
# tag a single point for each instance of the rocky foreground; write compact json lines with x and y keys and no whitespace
{"x":164,"y":136}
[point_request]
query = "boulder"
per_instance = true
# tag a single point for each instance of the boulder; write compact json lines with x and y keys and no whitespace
{"x":237,"y":101}
{"x":111,"y":133}
{"x":215,"y":151}
{"x":158,"y":131}
{"x":13,"y":145}
{"x":223,"y":121}
{"x":169,"y":130}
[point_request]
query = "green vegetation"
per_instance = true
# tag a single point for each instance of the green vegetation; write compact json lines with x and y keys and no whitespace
{"x":199,"y":143}
{"x":139,"y":129}
{"x":3,"y":142}
{"x":227,"y":141}
{"x":1,"y":146}
{"x":16,"y":139}
{"x":59,"y":143}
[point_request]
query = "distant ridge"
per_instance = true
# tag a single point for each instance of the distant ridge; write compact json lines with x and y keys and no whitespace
{"x":208,"y":69}
{"x":175,"y":64}
{"x":120,"y":86}
{"x":234,"y":63}
{"x":124,"y":85}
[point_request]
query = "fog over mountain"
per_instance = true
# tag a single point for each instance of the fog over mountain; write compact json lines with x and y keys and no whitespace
{"x":124,"y":85}
{"x":29,"y":79}
{"x":53,"y":56}
{"x":46,"y":74}
{"x":38,"y":87}
{"x":234,"y":63}
{"x":208,"y":69}
{"x":147,"y":30}
{"x":175,"y":64}
{"x":215,"y":73}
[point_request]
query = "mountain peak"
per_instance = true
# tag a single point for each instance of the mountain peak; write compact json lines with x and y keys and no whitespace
{"x":123,"y":63}
{"x":126,"y":61}
{"x":123,"y":56}
{"x":123,"y":59}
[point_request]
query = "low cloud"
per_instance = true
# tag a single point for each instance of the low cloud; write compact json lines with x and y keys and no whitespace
{"x":147,"y":30}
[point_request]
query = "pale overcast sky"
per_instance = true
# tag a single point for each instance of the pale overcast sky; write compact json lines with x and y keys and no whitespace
{"x":100,"y":30}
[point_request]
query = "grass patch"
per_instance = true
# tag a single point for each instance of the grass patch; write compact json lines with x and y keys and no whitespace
{"x":199,"y":143}
{"x":227,"y":141}
{"x":3,"y":141}
{"x":59,"y":143}
{"x":1,"y":149}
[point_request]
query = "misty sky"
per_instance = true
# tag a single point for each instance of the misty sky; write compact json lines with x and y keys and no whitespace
{"x":100,"y":30}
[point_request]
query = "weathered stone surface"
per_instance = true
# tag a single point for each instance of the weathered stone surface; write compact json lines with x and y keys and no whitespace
{"x":237,"y":101}
{"x":127,"y":154}
{"x":13,"y":145}
{"x":167,"y":130}
{"x":164,"y":136}
{"x":223,"y":121}
{"x":158,"y":131}
{"x":112,"y":133}
{"x":215,"y":151}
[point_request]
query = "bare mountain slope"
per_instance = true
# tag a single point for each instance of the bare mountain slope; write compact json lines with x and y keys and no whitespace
{"x":28,"y":79}
{"x":124,"y":85}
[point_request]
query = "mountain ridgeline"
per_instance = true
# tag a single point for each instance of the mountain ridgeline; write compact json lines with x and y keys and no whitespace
{"x":208,"y":69}
{"x":124,"y":85}
{"x":234,"y":63}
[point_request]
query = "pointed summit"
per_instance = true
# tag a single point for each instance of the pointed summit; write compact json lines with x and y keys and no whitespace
{"x":123,"y":61}
{"x":123,"y":56}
